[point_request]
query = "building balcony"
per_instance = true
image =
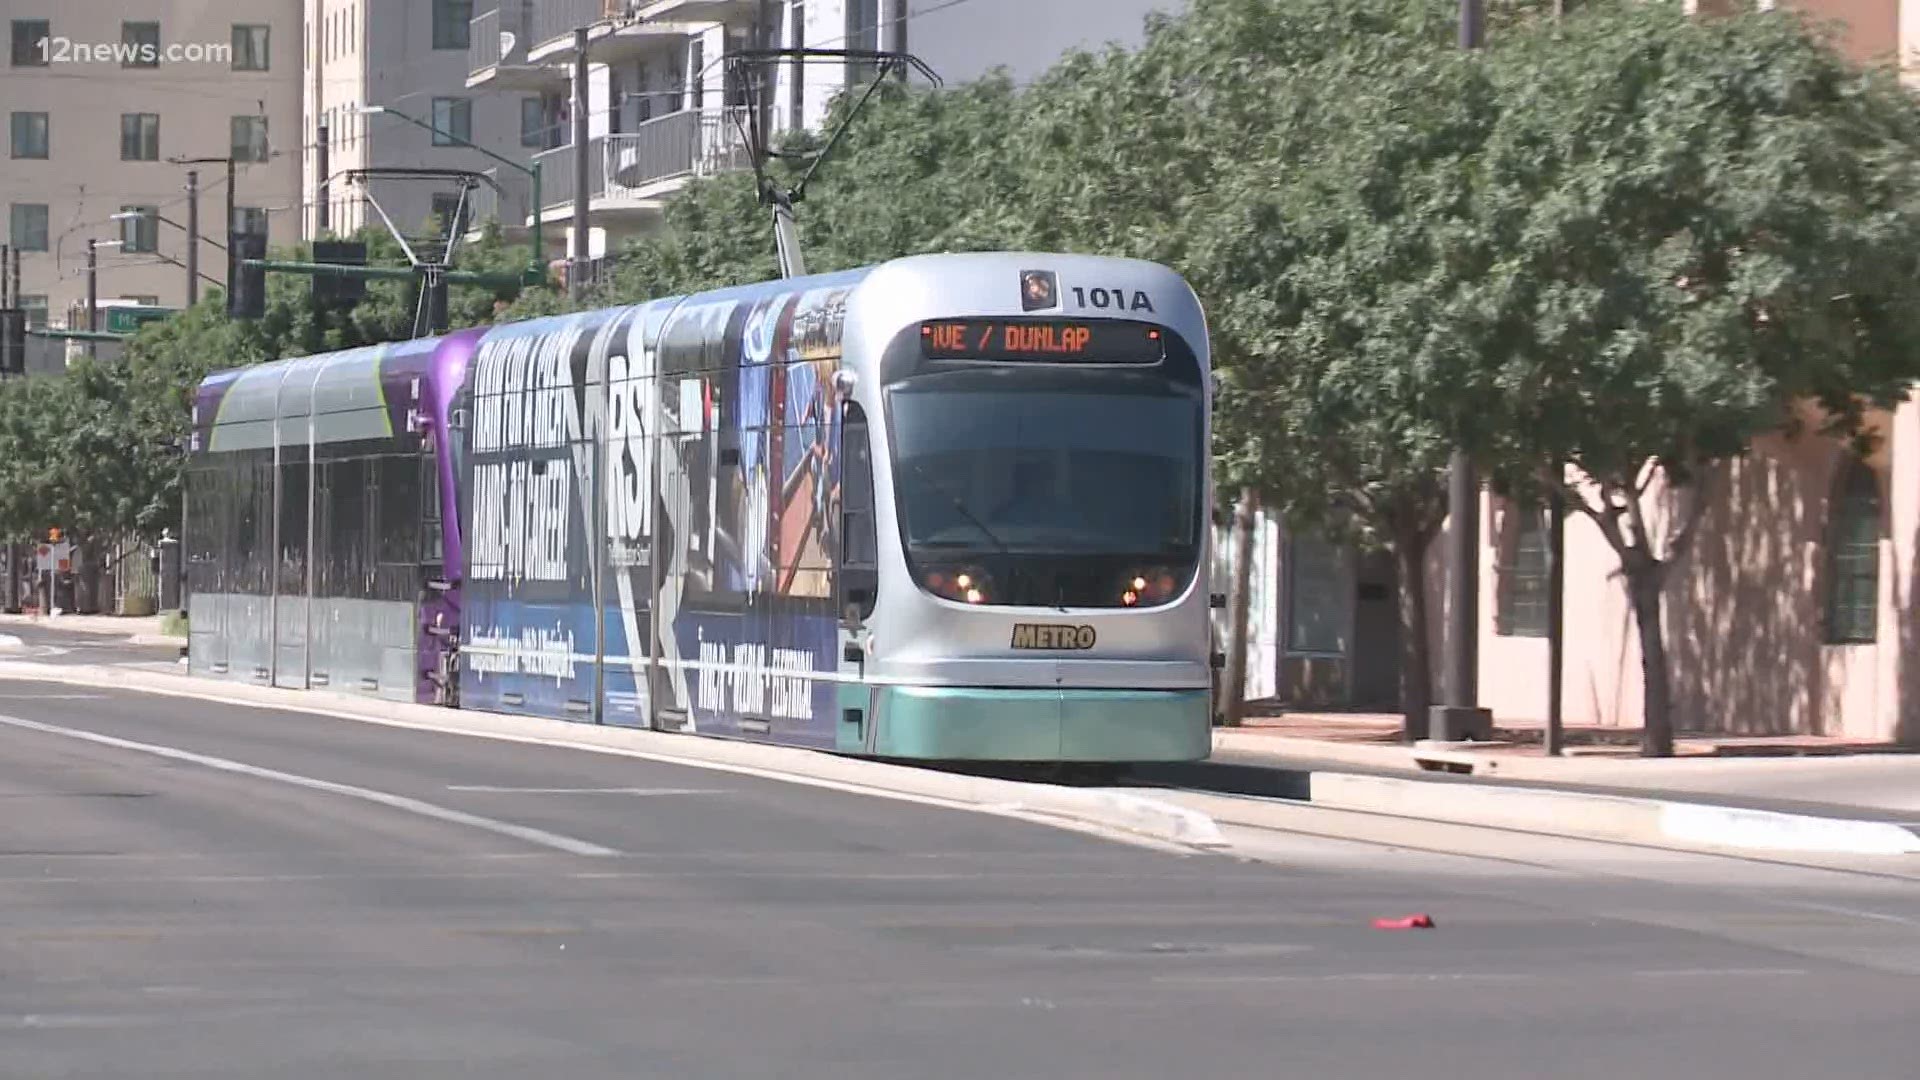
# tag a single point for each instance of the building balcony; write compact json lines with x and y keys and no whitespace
{"x":498,"y":46}
{"x":730,"y":12}
{"x":631,"y":174}
{"x":617,"y":29}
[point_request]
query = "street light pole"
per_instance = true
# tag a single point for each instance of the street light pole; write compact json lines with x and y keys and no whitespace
{"x":1461,"y":716}
{"x":193,"y":237}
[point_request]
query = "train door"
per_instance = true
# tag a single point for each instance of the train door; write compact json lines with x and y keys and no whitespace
{"x":291,"y":587}
{"x":856,"y":580}
{"x":208,"y":533}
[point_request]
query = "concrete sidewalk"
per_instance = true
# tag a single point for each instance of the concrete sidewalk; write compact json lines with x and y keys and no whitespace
{"x":1755,"y":770}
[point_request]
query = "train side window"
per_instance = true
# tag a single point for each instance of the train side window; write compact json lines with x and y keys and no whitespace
{"x":859,"y":542}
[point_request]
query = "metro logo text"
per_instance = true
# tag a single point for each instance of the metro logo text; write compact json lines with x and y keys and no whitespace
{"x":1051,"y":636}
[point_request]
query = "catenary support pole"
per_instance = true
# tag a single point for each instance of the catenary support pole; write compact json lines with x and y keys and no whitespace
{"x":1461,"y":717}
{"x":1556,"y":619}
{"x":582,"y":189}
{"x":1239,"y":609}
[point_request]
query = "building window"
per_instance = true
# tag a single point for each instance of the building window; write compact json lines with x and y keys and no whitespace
{"x":451,"y":19}
{"x":140,"y":234}
{"x":27,"y":226}
{"x":1521,"y":598}
{"x":32,"y":42}
{"x":30,"y":135}
{"x":533,"y":122}
{"x":142,"y":44}
{"x":250,"y":219}
{"x":249,"y":138}
{"x":249,"y":47}
{"x":1853,"y":556}
{"x":139,"y":137}
{"x":1319,"y":597}
{"x":449,"y":216}
{"x":35,"y":305}
{"x":452,"y":121}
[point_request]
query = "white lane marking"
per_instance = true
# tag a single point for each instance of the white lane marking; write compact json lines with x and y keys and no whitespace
{"x":51,"y":697}
{"x":396,"y":802}
{"x":584,"y":790}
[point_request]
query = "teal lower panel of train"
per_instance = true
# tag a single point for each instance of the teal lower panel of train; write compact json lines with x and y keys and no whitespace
{"x":960,"y":723}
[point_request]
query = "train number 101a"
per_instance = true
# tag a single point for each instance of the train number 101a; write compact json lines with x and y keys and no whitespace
{"x":1111,"y":299}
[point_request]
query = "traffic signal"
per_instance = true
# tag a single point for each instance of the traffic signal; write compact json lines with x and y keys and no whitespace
{"x":13,"y":341}
{"x":246,"y":287}
{"x":331,"y":290}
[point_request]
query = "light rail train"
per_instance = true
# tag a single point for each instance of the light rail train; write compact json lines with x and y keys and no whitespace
{"x":950,"y":507}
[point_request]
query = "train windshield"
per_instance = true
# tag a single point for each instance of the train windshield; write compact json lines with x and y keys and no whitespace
{"x":1082,"y":490}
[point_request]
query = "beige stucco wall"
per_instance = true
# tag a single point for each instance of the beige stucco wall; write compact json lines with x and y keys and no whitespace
{"x":1743,"y":613}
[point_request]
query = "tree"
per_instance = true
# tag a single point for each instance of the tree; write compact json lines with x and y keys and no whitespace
{"x":1701,"y":223}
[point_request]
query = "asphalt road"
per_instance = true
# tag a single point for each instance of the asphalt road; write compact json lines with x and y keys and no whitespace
{"x":196,"y":890}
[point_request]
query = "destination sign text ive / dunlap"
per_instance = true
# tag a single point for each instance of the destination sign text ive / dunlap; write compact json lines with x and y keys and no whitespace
{"x":1043,"y":340}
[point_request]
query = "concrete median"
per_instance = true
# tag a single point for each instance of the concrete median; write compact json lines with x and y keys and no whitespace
{"x":1123,"y":814}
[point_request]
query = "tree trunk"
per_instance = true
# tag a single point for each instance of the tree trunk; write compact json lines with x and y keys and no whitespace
{"x":1239,"y":608}
{"x":1416,"y":659}
{"x":1643,"y":587}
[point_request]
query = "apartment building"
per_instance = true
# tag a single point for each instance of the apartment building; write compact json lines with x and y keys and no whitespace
{"x":658,"y":102}
{"x":386,"y":81}
{"x":100,"y":97}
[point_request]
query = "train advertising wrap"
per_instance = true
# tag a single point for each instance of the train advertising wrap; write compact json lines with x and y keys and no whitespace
{"x":718,"y":486}
{"x":528,"y":590}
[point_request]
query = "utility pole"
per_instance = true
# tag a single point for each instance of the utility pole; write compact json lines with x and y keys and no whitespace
{"x":582,"y":190}
{"x":322,"y":212}
{"x":1461,"y":717}
{"x":193,"y":237}
{"x":229,"y":226}
{"x":93,"y":293}
{"x":18,"y":296}
{"x":5,"y":258}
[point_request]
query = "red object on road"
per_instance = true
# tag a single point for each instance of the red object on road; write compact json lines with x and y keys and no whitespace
{"x":1411,"y":922}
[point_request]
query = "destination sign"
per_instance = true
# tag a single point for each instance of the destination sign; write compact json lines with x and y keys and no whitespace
{"x":1045,"y":341}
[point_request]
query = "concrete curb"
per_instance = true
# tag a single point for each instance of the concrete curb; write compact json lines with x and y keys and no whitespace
{"x":1630,"y":819}
{"x":1118,"y":814}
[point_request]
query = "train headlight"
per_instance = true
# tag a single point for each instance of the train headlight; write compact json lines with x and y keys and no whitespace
{"x":1149,"y":586}
{"x":964,"y":584}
